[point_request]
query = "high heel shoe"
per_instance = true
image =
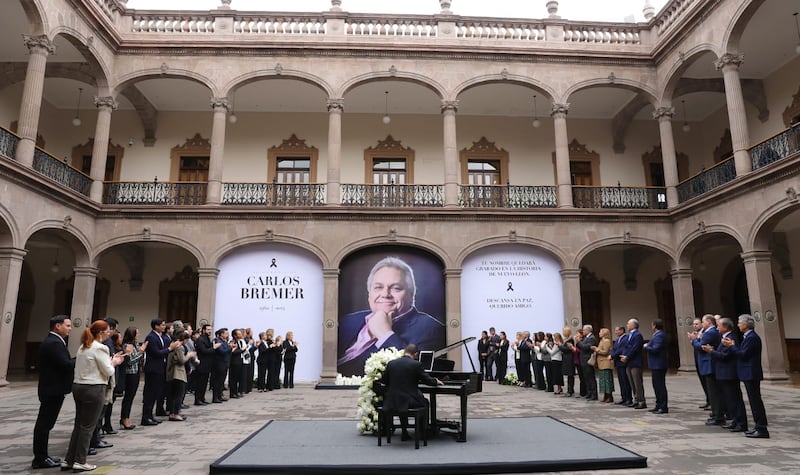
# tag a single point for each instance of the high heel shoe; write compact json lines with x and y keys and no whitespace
{"x":108,"y":430}
{"x":124,"y":427}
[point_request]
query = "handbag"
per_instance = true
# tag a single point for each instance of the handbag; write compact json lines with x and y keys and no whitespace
{"x":593,"y":359}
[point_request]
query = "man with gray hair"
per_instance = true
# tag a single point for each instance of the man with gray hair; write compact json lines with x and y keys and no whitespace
{"x":727,"y":377}
{"x":748,"y":368}
{"x":585,"y":344}
{"x":391,"y":321}
{"x":631,"y":355}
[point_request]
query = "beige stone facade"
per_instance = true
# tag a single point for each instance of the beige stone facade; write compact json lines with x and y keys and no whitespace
{"x":661,"y":222}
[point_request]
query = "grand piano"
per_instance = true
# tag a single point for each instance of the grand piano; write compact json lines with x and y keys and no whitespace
{"x":456,"y":383}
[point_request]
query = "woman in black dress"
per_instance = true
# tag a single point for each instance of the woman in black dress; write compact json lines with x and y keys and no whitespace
{"x":289,"y":358}
{"x":483,"y":352}
{"x":502,"y":357}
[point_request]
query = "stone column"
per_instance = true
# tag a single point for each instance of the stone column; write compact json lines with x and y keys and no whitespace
{"x":217,"y":156}
{"x":571,"y":288}
{"x":330,"y":325}
{"x":684,"y":315}
{"x":10,"y":271}
{"x":82,"y":303}
{"x":729,"y":64}
{"x":206,"y":295}
{"x":452,"y":318}
{"x":764,"y":308}
{"x":563,"y":175}
{"x":668,"y":157}
{"x":449,"y":109}
{"x":333,"y":191}
{"x":39,"y":47}
{"x":105,"y":106}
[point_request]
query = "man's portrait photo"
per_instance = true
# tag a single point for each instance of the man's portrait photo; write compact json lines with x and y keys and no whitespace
{"x":403,"y":289}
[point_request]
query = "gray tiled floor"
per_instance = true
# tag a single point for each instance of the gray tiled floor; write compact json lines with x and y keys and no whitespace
{"x":675,"y":443}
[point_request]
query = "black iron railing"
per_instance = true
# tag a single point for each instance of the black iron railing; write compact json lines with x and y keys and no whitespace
{"x":507,"y":196}
{"x":393,"y":196}
{"x":154,"y":193}
{"x":619,"y":197}
{"x":273,"y":194}
{"x":707,"y":180}
{"x":8,"y":143}
{"x":61,"y":172}
{"x":776,"y":147}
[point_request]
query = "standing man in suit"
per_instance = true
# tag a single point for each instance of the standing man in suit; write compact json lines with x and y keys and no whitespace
{"x":222,"y":361}
{"x":697,"y":324}
{"x":155,"y":369}
{"x":748,"y":368}
{"x":524,"y":368}
{"x":56,"y":369}
{"x":622,"y":376}
{"x":491,"y":355}
{"x":585,"y":344}
{"x":632,"y":357}
{"x":205,"y":352}
{"x":705,"y":365}
{"x":402,"y":377}
{"x":727,"y":378}
{"x":657,"y":360}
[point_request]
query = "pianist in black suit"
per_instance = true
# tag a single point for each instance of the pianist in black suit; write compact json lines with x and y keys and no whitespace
{"x":391,"y":321}
{"x":402,"y":378}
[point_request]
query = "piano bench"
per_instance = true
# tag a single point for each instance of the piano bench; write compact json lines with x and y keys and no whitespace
{"x":386,"y":424}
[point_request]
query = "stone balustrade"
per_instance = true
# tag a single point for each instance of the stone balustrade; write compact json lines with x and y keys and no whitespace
{"x":670,"y":14}
{"x":500,"y":29}
{"x":391,"y":25}
{"x":584,"y":32}
{"x":148,"y":22}
{"x":279,"y":24}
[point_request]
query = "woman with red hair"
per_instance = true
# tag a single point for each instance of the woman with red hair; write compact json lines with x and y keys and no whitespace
{"x":93,"y":368}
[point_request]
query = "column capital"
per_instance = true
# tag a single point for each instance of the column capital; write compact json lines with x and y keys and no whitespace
{"x":220,"y":103}
{"x":570,"y":273}
{"x":12,"y":253}
{"x":330,"y":273}
{"x":756,"y":256}
{"x":449,"y":107}
{"x":729,"y":59}
{"x":335,"y":105}
{"x":211,"y":272}
{"x":664,"y":113}
{"x":452,"y":273}
{"x":559,"y":111}
{"x":85,"y":271}
{"x":102,"y":102}
{"x":680,"y":273}
{"x":40,"y":42}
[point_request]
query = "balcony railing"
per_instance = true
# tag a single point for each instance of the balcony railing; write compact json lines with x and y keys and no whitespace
{"x":273,"y":194}
{"x":391,"y":25}
{"x":154,"y":193}
{"x":8,"y":143}
{"x":707,"y":180}
{"x":279,"y":24}
{"x":507,"y":196}
{"x":500,"y":29}
{"x":619,"y":197}
{"x":61,"y":172}
{"x":776,"y":147}
{"x":393,"y":196}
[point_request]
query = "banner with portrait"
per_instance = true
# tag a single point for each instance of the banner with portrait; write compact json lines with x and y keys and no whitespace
{"x":389,"y":296}
{"x":275,"y":286}
{"x":512,"y":287}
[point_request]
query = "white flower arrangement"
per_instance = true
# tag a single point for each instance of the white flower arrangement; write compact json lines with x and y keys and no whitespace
{"x":510,"y":379}
{"x":348,"y":380}
{"x":367,"y":400}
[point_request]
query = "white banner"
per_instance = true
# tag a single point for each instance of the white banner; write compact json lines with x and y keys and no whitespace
{"x":275,"y":286}
{"x":511,"y":287}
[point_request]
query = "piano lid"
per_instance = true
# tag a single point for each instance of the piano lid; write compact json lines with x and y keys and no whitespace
{"x":456,"y":345}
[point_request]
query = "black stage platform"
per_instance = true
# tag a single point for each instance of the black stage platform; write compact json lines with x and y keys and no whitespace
{"x":508,"y":445}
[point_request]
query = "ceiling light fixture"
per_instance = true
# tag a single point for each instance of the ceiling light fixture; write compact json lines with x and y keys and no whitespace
{"x":797,"y":26}
{"x":686,"y":127}
{"x":536,"y":121}
{"x":386,"y":119}
{"x":55,"y":267}
{"x":76,"y":121}
{"x":232,"y":118}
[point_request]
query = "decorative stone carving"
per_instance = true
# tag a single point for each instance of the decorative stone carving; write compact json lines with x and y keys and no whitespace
{"x":105,"y":102}
{"x":146,"y":234}
{"x":389,"y":144}
{"x":393,"y":234}
{"x":791,"y":194}
{"x":729,"y":59}
{"x":392,"y":71}
{"x":484,"y":146}
{"x":335,"y":105}
{"x":67,"y":221}
{"x":220,"y":102}
{"x":664,"y":113}
{"x":449,"y":106}
{"x":454,"y":323}
{"x":164,"y":68}
{"x":559,"y":110}
{"x":701,"y":226}
{"x":512,"y":235}
{"x":39,"y":42}
{"x":193,"y":143}
{"x":278,"y":69}
{"x":294,"y":144}
{"x":269,"y":234}
{"x":504,"y":74}
{"x":612,"y":78}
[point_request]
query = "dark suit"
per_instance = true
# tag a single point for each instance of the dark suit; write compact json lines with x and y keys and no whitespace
{"x":289,"y":359}
{"x":728,"y":380}
{"x":414,"y":326}
{"x":748,"y":368}
{"x":524,"y":369}
{"x":658,"y":362}
{"x":155,"y":370}
{"x":491,"y":357}
{"x":587,"y":369}
{"x":56,"y":370}
{"x":622,"y":375}
{"x":222,"y":360}
{"x":402,"y":377}
{"x":205,"y":353}
{"x":634,"y":362}
{"x":705,"y":366}
{"x":262,"y":362}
